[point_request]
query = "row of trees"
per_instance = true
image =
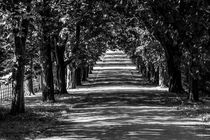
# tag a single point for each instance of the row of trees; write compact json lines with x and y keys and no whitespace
{"x":171,"y":38}
{"x":182,"y":29}
{"x":162,"y":36}
{"x":54,"y":35}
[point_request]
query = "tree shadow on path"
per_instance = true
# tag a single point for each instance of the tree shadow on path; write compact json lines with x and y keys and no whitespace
{"x":128,"y":112}
{"x":115,"y":104}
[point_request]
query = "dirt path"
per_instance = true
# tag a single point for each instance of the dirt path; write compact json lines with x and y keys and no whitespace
{"x":117,"y":104}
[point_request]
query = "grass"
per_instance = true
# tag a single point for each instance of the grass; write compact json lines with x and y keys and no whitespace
{"x":37,"y":117}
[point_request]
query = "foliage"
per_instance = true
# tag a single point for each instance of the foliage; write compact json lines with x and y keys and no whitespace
{"x":156,"y":31}
{"x":6,"y":44}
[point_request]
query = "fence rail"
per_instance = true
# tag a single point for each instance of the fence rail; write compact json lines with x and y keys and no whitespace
{"x":6,"y":90}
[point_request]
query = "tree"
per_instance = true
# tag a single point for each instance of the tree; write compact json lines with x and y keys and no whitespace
{"x":61,"y":66}
{"x":46,"y":51}
{"x":19,"y":12}
{"x":177,"y":29}
{"x":188,"y":29}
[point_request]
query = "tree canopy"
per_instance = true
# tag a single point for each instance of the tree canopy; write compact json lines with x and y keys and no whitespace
{"x":171,"y":37}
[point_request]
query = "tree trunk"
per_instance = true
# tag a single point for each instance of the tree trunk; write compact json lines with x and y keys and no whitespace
{"x":193,"y":86}
{"x":62,"y":80}
{"x":84,"y":73}
{"x":139,"y":68}
{"x":73,"y":78}
{"x":78,"y":76}
{"x":138,"y":61}
{"x":173,"y":58}
{"x":193,"y":95}
{"x":161,"y":76}
{"x":75,"y":51}
{"x":55,"y":76}
{"x":47,"y":73}
{"x":90,"y":69}
{"x":87,"y":71}
{"x":30,"y":85}
{"x":148,"y":73}
{"x":41,"y":81}
{"x":59,"y":52}
{"x":152,"y":72}
{"x":30,"y":78}
{"x":195,"y":89}
{"x":156,"y":76}
{"x":68,"y":77}
{"x":143,"y":70}
{"x":46,"y":58}
{"x":175,"y":84}
{"x":18,"y":105}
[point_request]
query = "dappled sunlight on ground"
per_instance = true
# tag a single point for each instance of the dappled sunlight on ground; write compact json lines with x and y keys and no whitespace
{"x":129,"y":122}
{"x":109,"y":107}
{"x":117,"y":103}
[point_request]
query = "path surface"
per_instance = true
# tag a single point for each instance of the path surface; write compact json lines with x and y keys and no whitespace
{"x":117,"y":104}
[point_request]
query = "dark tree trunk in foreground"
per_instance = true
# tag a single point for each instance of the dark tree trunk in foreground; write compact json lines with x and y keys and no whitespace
{"x":18,"y":105}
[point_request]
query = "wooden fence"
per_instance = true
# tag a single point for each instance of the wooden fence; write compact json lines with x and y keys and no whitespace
{"x":6,"y":90}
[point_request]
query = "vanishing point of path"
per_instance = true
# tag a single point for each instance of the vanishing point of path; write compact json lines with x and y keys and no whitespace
{"x":118,"y":104}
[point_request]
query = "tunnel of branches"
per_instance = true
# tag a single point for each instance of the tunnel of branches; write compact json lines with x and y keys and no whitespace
{"x":168,"y":41}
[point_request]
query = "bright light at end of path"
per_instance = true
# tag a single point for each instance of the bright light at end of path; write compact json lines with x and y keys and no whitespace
{"x":115,"y":68}
{"x":121,"y":88}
